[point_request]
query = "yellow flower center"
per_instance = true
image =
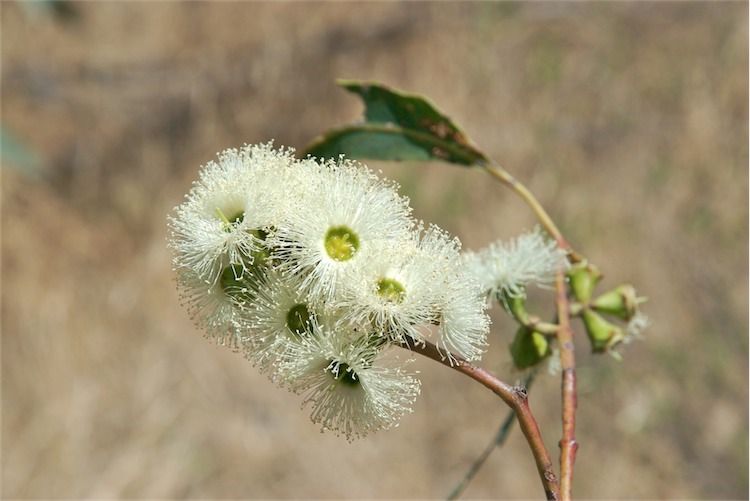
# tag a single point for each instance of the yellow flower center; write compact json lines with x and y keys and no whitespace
{"x":391,"y":290}
{"x":341,"y":243}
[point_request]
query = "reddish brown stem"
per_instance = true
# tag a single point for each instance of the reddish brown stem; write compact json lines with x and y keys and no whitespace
{"x":568,"y":444}
{"x":516,"y":398}
{"x":511,"y":182}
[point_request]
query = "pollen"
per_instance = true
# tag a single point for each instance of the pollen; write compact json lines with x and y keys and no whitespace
{"x":341,"y":243}
{"x":391,"y":290}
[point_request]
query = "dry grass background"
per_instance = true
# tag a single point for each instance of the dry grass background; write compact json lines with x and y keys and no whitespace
{"x":629,"y":120}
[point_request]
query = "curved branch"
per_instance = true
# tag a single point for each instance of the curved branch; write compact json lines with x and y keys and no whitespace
{"x":497,"y":441}
{"x":515,"y":397}
{"x":511,"y":182}
{"x":568,"y":444}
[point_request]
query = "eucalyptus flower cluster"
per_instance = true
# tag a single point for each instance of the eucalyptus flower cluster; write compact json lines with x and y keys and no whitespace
{"x":314,"y":270}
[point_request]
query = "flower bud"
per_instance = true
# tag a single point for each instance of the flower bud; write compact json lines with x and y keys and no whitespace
{"x":516,"y":306}
{"x":528,"y":348}
{"x":621,"y":302}
{"x":583,"y":278}
{"x":602,"y":334}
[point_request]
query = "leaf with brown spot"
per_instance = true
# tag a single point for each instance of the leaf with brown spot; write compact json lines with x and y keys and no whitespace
{"x":397,"y":126}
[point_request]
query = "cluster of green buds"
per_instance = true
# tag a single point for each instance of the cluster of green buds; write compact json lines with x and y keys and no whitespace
{"x":534,"y":259}
{"x":620,"y":303}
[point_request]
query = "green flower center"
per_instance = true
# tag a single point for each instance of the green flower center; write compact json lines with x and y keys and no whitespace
{"x":341,"y":243}
{"x":391,"y":290}
{"x":262,"y":255}
{"x":235,"y":282}
{"x":231,"y":221}
{"x":344,"y":374}
{"x":260,"y":234}
{"x":237,"y":217}
{"x":298,"y":320}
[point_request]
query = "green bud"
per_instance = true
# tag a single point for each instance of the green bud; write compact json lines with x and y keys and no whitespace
{"x":621,"y":302}
{"x":528,"y":348}
{"x":602,"y":334}
{"x":516,"y":306}
{"x":583,"y":279}
{"x":575,"y":308}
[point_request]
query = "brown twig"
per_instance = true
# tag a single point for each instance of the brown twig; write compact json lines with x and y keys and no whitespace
{"x":515,"y":397}
{"x":568,"y":444}
{"x":497,"y":441}
{"x":508,"y":180}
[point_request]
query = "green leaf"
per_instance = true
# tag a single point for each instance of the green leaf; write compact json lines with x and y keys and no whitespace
{"x":397,"y":126}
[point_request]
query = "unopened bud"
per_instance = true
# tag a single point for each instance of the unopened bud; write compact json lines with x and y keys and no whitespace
{"x":583,"y":278}
{"x":516,"y":306}
{"x":528,"y":348}
{"x":602,"y":334}
{"x":621,"y":302}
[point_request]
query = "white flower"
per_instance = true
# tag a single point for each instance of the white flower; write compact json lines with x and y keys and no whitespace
{"x":313,"y":270}
{"x":507,"y":268}
{"x":346,"y":209}
{"x":217,"y":306}
{"x":464,"y":324}
{"x":400,"y":285}
{"x":230,"y":209}
{"x":279,"y":314}
{"x":350,"y":390}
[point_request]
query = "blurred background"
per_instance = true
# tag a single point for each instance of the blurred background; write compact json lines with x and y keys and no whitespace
{"x":628,"y":120}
